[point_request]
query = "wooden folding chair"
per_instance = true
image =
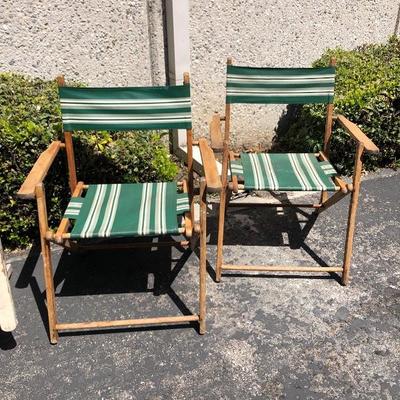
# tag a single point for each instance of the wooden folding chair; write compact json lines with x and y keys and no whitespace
{"x":284,"y":172}
{"x":110,"y":211}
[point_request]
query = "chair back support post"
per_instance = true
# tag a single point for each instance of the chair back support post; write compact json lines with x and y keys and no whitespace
{"x":203,"y":256}
{"x":329,"y":118}
{"x":225,"y":156}
{"x":69,"y":148}
{"x":189,"y":140}
{"x":224,"y":192}
{"x":328,"y":131}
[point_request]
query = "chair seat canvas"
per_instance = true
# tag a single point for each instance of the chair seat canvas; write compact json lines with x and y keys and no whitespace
{"x":284,"y":171}
{"x":127,"y":210}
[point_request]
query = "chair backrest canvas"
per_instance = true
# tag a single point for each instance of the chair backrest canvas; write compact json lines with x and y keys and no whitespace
{"x":280,"y":85}
{"x":132,"y":108}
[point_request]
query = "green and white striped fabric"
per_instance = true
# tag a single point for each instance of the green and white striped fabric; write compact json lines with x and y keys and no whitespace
{"x":113,"y":109}
{"x":280,"y":85}
{"x":123,"y":210}
{"x":284,"y":171}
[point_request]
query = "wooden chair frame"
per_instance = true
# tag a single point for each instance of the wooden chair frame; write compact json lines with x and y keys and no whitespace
{"x":33,"y":188}
{"x":220,"y":143}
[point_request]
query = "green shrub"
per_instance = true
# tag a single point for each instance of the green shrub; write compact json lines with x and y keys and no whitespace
{"x":368,"y":93}
{"x":29,"y":121}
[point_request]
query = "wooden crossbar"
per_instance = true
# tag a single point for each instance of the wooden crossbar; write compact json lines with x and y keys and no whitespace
{"x":127,"y":246}
{"x":68,"y":235}
{"x":126,"y":322}
{"x":283,"y":268}
{"x":241,"y":186}
{"x":232,"y":204}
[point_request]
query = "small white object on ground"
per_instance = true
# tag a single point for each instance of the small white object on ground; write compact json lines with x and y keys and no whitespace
{"x":8,"y":319}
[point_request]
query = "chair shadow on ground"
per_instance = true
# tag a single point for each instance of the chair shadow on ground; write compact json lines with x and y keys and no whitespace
{"x":7,"y":341}
{"x":111,"y":272}
{"x":270,"y":227}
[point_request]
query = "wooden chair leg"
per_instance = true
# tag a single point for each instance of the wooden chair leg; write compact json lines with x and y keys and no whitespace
{"x":203,"y":255}
{"x":220,"y":243}
{"x":50,"y":295}
{"x":47,"y":263}
{"x":351,"y":222}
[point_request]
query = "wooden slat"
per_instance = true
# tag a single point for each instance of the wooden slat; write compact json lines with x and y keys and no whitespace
{"x":240,"y":186}
{"x":188,"y":215}
{"x":39,"y":171}
{"x":224,"y":197}
{"x":328,"y":131}
{"x":217,"y":142}
{"x":283,"y":268}
{"x":357,"y":134}
{"x":203,"y":257}
{"x":126,"y":322}
{"x":249,"y":204}
{"x":69,"y":147}
{"x":210,"y":167}
{"x":351,"y":221}
{"x":329,"y":117}
{"x":328,"y":127}
{"x":234,"y":178}
{"x":127,"y":246}
{"x":47,"y":261}
{"x":68,"y":235}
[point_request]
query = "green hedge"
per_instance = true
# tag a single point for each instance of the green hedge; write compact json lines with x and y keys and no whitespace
{"x":29,"y":121}
{"x":368,"y":93}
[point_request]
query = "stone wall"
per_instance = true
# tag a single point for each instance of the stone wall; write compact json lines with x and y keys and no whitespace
{"x":100,"y":42}
{"x":122,"y":42}
{"x":272,"y":33}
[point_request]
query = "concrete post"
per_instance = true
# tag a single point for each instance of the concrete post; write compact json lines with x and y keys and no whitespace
{"x":178,"y":42}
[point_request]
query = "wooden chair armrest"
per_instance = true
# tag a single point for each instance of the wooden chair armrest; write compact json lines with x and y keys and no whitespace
{"x":213,"y":180}
{"x":39,"y":171}
{"x":217,"y":142}
{"x":357,"y":134}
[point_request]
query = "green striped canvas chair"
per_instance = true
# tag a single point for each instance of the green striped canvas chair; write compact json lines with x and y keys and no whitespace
{"x":288,"y":171}
{"x":100,"y":212}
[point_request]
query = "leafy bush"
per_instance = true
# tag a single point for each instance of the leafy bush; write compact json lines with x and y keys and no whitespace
{"x":29,"y":120}
{"x":368,"y":93}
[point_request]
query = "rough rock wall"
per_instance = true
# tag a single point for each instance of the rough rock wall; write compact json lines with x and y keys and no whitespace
{"x":100,"y":42}
{"x":272,"y":33}
{"x":122,"y":42}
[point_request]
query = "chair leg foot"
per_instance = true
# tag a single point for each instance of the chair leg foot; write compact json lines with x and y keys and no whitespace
{"x":218,"y":274}
{"x":202,"y":327}
{"x":345,"y":280}
{"x":54,"y":336}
